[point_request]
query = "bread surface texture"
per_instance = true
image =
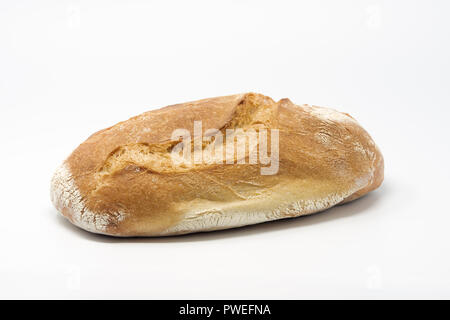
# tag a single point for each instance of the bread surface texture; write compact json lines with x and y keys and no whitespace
{"x":123,"y":180}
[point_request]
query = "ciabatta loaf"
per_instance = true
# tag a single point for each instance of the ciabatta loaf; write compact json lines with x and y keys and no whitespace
{"x":214,"y":164}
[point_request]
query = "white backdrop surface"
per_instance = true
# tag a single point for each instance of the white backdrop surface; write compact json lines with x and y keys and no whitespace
{"x":70,"y":68}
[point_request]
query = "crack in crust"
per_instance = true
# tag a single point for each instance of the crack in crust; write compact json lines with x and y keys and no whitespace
{"x":253,"y":112}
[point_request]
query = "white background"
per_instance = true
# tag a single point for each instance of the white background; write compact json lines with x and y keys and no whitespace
{"x":70,"y":68}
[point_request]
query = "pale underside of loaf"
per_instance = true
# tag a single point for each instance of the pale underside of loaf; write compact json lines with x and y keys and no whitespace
{"x":122,"y":182}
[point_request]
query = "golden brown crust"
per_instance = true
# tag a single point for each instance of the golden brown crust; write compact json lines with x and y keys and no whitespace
{"x":126,"y":183}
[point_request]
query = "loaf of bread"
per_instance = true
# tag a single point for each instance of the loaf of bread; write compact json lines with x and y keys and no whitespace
{"x":214,"y":164}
